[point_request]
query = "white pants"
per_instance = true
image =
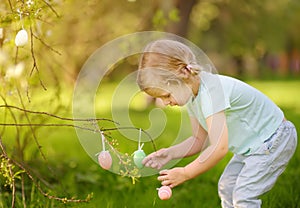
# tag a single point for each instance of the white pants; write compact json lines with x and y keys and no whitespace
{"x":245,"y":178}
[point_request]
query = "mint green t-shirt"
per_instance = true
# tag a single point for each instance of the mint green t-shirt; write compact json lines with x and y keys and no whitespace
{"x":251,"y":116}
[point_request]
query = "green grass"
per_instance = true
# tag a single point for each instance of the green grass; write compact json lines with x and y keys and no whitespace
{"x":76,"y":174}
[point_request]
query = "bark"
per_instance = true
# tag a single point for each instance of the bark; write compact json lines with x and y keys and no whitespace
{"x":181,"y":27}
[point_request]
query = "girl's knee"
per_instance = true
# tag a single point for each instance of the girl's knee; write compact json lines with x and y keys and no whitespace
{"x":241,"y":199}
{"x":224,"y":191}
{"x":225,"y":195}
{"x":221,"y":186}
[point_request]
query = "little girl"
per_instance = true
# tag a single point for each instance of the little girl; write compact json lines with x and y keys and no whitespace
{"x":226,"y":115}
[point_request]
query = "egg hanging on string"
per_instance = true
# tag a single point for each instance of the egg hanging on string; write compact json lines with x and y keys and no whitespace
{"x":138,"y":157}
{"x":104,"y":157}
{"x":105,"y":160}
{"x":139,"y":154}
{"x":21,"y":38}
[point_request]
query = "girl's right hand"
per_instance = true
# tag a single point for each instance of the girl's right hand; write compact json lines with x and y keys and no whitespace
{"x":158,"y":159}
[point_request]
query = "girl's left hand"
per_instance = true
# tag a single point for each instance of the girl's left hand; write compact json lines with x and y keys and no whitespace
{"x":173,"y":177}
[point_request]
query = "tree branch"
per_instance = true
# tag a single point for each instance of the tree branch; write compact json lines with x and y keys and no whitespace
{"x":58,"y":117}
{"x":37,"y":185}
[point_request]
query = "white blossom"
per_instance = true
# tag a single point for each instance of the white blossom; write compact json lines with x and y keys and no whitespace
{"x":15,"y":71}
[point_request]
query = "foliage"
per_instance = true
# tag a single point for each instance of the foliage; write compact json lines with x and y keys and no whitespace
{"x":216,"y":26}
{"x":7,"y":170}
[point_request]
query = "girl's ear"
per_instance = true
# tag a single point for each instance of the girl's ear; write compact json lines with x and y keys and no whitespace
{"x":185,"y":72}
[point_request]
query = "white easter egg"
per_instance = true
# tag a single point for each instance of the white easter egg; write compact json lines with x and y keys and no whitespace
{"x":21,"y":38}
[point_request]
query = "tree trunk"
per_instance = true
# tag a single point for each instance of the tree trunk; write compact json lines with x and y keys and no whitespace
{"x":181,"y":27}
{"x":1,"y":36}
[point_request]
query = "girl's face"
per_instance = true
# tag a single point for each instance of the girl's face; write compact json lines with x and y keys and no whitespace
{"x":174,"y":95}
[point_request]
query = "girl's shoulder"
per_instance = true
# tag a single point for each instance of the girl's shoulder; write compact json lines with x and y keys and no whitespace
{"x":211,"y":80}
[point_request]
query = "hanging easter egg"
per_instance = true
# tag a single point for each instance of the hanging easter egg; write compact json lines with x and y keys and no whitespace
{"x":138,"y":157}
{"x":21,"y":38}
{"x":164,"y":192}
{"x":105,"y":160}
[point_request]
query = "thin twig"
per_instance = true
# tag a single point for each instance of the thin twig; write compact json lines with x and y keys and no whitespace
{"x":16,"y":57}
{"x":13,"y":187}
{"x":11,"y":174}
{"x":37,"y":185}
{"x":50,"y":125}
{"x":34,"y":136}
{"x":17,"y":128}
{"x":80,"y":127}
{"x":32,"y":130}
{"x":52,"y":9}
{"x":71,"y":125}
{"x":34,"y":60}
{"x":10,"y":5}
{"x":133,"y":128}
{"x":23,"y":190}
{"x":49,"y":47}
{"x":58,"y":117}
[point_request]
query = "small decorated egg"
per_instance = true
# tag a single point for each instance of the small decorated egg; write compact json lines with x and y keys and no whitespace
{"x":21,"y":38}
{"x":164,"y":192}
{"x":138,"y":157}
{"x":105,"y":160}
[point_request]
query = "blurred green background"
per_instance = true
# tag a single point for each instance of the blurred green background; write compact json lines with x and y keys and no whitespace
{"x":256,"y":41}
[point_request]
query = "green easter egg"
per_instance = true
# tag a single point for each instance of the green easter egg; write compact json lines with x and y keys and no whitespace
{"x":138,"y":157}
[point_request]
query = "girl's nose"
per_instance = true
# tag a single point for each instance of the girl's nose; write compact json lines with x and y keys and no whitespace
{"x":166,"y":101}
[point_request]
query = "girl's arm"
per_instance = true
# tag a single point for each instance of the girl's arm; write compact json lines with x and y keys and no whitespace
{"x":188,"y":147}
{"x":218,"y":137}
{"x":191,"y":145}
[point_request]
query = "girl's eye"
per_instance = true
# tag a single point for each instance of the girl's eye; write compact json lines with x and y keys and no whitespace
{"x":166,"y":96}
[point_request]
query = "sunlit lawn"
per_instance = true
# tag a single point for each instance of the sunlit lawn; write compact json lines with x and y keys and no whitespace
{"x":77,"y":174}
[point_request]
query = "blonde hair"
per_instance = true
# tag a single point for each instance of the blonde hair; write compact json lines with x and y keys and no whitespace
{"x":162,"y":63}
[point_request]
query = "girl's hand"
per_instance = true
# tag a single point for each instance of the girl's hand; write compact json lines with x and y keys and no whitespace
{"x":158,"y":159}
{"x":173,"y":177}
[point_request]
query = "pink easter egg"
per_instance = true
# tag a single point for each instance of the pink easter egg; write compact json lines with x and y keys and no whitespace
{"x":164,"y":192}
{"x":105,"y":160}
